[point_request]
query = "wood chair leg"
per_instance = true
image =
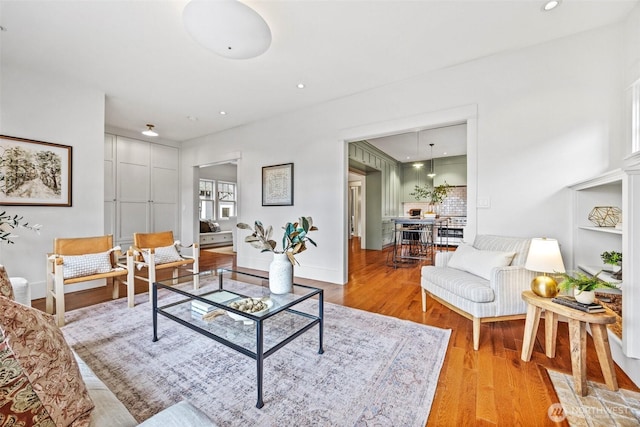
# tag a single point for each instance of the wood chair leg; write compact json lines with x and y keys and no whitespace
{"x":550,"y":333}
{"x":49,"y":294}
{"x":578,"y":341}
{"x":476,"y":333}
{"x":59,"y":295}
{"x":131,"y":281}
{"x":530,"y":328}
{"x":424,"y":299}
{"x":601,"y":341}
{"x":115,"y":294}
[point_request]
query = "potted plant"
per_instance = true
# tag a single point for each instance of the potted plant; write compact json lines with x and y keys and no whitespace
{"x":10,"y":222}
{"x":615,"y":259}
{"x":434,"y":195}
{"x":584,"y":286}
{"x":294,"y":241}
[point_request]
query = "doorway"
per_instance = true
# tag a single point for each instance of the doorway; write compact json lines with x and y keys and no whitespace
{"x":465,"y":114}
{"x":356,"y":195}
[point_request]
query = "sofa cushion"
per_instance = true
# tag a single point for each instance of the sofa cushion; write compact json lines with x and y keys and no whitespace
{"x":19,"y":404}
{"x":109,"y":411}
{"x":519,"y":245}
{"x":205,"y":227}
{"x":86,"y":265}
{"x":47,"y":361}
{"x":479,"y":262}
{"x":179,"y":415}
{"x":460,"y":283}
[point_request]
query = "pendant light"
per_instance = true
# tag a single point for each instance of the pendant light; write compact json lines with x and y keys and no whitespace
{"x":432,"y":173}
{"x":417,"y":164}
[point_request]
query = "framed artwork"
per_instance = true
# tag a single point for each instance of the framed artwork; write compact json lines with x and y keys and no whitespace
{"x":277,"y":185}
{"x":34,"y":173}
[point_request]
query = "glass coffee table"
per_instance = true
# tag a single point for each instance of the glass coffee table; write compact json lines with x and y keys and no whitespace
{"x":210,"y":311}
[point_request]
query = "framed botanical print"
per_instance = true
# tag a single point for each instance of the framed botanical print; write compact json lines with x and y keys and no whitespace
{"x":34,"y":172}
{"x":277,"y":185}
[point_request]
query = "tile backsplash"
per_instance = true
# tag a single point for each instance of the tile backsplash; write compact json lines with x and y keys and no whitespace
{"x":454,"y":205}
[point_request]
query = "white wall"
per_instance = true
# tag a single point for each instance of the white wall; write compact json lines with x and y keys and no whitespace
{"x":548,"y":116}
{"x":41,"y":107}
{"x":632,"y":38}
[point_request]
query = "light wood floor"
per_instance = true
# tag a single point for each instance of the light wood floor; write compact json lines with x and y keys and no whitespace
{"x":491,"y":386}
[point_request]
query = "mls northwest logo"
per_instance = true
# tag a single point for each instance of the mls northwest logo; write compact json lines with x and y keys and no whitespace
{"x":556,"y":413}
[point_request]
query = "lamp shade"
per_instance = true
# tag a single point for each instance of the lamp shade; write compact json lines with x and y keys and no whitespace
{"x":227,"y":27}
{"x":544,"y":256}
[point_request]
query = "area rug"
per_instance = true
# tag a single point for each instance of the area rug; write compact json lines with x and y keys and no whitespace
{"x":600,"y":407}
{"x":228,"y":250}
{"x":375,"y":370}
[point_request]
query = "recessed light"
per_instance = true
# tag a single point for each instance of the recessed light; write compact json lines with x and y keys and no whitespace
{"x":223,"y":113}
{"x":192,"y":118}
{"x":149,"y":131}
{"x":550,"y":5}
{"x":300,"y":86}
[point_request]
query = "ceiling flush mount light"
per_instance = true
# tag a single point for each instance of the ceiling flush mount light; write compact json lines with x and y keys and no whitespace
{"x":550,"y":5}
{"x":227,"y":27}
{"x":300,"y":86}
{"x":150,"y":131}
{"x":432,"y":173}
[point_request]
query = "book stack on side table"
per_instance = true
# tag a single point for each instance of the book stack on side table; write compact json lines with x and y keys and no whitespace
{"x":571,"y":302}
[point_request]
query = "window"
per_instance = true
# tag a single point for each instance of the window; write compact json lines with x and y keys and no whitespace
{"x":217,"y":199}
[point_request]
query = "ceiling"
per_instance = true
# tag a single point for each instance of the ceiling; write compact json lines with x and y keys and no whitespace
{"x":416,"y":146}
{"x":138,"y":53}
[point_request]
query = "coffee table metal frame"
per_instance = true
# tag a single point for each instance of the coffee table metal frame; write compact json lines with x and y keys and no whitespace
{"x":259,"y":355}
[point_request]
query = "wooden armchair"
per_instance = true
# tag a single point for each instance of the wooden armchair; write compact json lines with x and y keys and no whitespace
{"x":82,"y":259}
{"x":159,"y":251}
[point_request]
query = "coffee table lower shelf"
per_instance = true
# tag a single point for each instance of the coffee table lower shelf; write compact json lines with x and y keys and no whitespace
{"x":260,"y":353}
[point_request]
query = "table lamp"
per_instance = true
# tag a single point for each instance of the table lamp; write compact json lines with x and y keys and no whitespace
{"x":544,"y":257}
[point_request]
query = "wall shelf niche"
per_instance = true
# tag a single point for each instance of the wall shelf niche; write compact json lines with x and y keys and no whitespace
{"x":619,"y":188}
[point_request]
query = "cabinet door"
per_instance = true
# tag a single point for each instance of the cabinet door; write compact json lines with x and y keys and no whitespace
{"x":133,"y":185}
{"x":109,"y":184}
{"x":164,"y":188}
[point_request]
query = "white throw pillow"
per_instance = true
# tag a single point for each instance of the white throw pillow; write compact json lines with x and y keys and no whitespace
{"x":163,"y":255}
{"x":86,"y":265}
{"x":480,"y":263}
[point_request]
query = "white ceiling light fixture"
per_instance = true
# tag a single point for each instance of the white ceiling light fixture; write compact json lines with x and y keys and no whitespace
{"x":150,"y":131}
{"x":550,"y":5}
{"x":227,"y":27}
{"x":432,"y":173}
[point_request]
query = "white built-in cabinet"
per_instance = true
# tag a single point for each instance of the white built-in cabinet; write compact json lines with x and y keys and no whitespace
{"x":141,"y":188}
{"x":619,"y":188}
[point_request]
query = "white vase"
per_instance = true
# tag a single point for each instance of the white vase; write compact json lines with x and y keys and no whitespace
{"x":585,"y":297}
{"x":280,"y":274}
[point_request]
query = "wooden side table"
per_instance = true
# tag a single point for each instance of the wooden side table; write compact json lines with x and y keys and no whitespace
{"x":577,"y":337}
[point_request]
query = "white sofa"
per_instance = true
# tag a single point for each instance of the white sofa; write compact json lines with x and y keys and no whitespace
{"x":482,"y":282}
{"x":109,"y":411}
